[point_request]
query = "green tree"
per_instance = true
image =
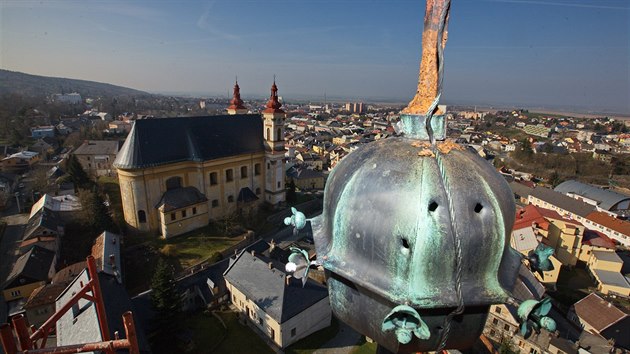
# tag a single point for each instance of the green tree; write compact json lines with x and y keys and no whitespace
{"x":554,"y":179}
{"x":167,"y":303}
{"x":77,"y":174}
{"x":95,"y":213}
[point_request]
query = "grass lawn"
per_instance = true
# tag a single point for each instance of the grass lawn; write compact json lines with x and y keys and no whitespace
{"x":209,"y":335}
{"x":314,"y":341}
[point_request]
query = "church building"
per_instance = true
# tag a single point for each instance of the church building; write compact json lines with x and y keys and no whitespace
{"x":178,"y":174}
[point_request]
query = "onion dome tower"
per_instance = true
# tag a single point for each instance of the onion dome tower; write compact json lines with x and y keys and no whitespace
{"x":236,"y":103}
{"x":273,"y":132}
{"x":414,"y":235}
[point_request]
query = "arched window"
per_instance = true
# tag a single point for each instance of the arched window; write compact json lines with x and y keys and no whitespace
{"x":279,"y":136}
{"x":142,"y":216}
{"x":268,"y":133}
{"x":173,"y":183}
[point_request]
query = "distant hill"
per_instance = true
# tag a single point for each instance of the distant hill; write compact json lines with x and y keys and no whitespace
{"x":34,"y":85}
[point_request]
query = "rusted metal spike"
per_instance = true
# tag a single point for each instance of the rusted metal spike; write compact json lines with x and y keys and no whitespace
{"x":429,"y":77}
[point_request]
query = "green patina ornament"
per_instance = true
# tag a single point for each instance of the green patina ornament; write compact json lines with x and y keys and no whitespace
{"x":405,"y":321}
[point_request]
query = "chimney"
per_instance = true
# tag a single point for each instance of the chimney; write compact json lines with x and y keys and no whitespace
{"x":270,"y":265}
{"x":254,"y":253}
{"x":287,"y":280}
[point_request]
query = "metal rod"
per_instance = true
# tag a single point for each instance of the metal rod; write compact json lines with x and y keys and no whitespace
{"x":434,"y":39}
{"x":19,"y":323}
{"x":82,"y":348}
{"x":130,"y":333}
{"x":8,"y":341}
{"x":98,"y":297}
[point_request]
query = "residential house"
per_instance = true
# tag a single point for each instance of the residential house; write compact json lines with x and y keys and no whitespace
{"x":275,"y":302}
{"x":564,"y":236}
{"x":81,"y":323}
{"x":502,"y":323}
{"x":306,"y":178}
{"x":106,"y":253}
{"x":599,"y":317}
{"x":594,"y":241}
{"x":44,"y":229}
{"x":20,"y":161}
{"x":31,"y":270}
{"x":97,"y":156}
{"x":43,"y":132}
{"x":565,"y":206}
{"x":605,"y":267}
{"x":41,"y":304}
{"x":215,"y":157}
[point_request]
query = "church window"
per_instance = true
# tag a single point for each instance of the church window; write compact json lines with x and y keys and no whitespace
{"x":173,"y":183}
{"x":257,"y":169}
{"x":230,"y":199}
{"x":268,"y":166}
{"x":278,"y":184}
{"x":142,"y":216}
{"x":214,"y":179}
{"x":268,"y":133}
{"x":279,"y":135}
{"x":257,"y":191}
{"x":173,"y":216}
{"x":229,"y":175}
{"x":243,"y":171}
{"x":215,"y":203}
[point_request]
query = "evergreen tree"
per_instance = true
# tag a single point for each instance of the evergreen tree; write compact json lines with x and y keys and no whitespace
{"x":95,"y":213}
{"x":167,"y":303}
{"x":77,"y":174}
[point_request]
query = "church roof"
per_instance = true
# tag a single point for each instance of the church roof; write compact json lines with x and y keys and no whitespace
{"x":154,"y":142}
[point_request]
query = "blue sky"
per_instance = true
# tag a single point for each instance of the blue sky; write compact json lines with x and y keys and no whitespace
{"x":561,"y":53}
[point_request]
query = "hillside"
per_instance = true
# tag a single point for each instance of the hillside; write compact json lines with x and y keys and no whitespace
{"x":34,"y":85}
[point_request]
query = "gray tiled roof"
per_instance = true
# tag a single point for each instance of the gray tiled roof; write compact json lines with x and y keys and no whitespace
{"x":98,"y":147}
{"x":266,"y":287}
{"x":562,"y":201}
{"x":607,"y":199}
{"x":154,"y":142}
{"x":33,"y":265}
{"x":180,"y":198}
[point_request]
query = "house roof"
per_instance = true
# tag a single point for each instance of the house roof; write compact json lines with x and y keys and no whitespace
{"x":611,"y":278}
{"x":607,"y":256}
{"x":597,"y":239}
{"x":106,"y":246}
{"x":45,"y":218}
{"x":267,"y":287}
{"x":597,"y":312}
{"x":83,"y":326}
{"x":529,"y":215}
{"x":33,"y":264}
{"x":606,"y":199}
{"x":180,"y":198}
{"x":67,"y":274}
{"x":98,"y":147}
{"x":524,"y":239}
{"x":246,"y":195}
{"x":59,"y":203}
{"x":520,"y":189}
{"x":44,"y":295}
{"x":562,"y":201}
{"x":601,"y":218}
{"x":154,"y":142}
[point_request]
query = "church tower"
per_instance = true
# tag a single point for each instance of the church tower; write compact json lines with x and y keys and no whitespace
{"x":273,"y":131}
{"x":236,"y":104}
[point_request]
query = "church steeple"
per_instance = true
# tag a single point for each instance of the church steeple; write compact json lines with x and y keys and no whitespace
{"x":273,"y":105}
{"x":236,"y":103}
